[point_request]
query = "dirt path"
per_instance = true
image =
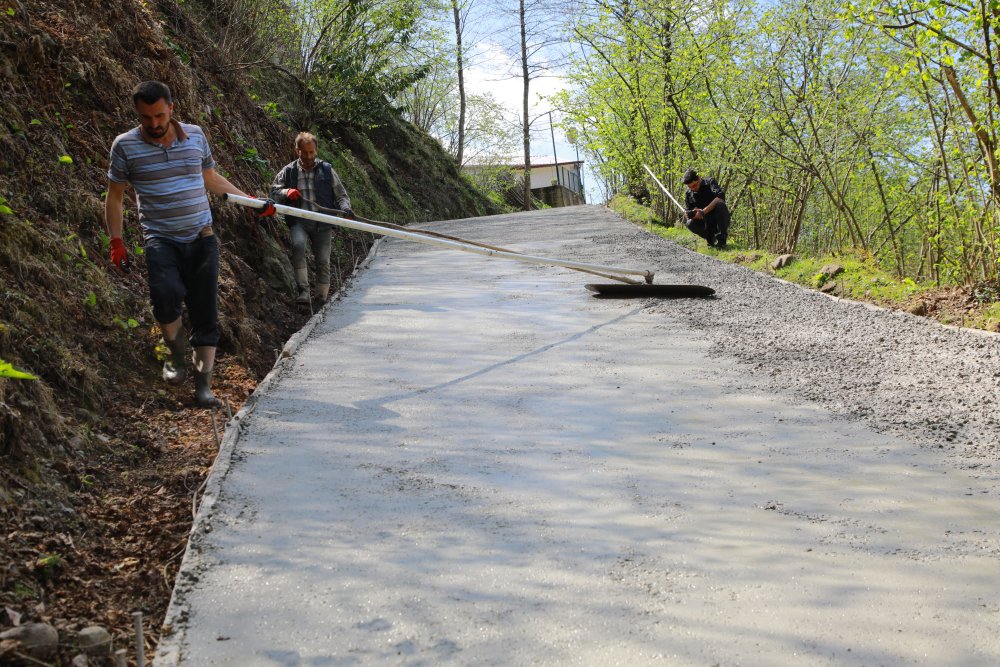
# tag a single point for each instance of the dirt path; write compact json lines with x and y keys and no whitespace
{"x":472,"y":461}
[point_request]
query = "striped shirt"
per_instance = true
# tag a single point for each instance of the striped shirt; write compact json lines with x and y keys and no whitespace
{"x":168,"y":181}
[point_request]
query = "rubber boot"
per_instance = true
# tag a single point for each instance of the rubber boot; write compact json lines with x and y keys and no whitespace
{"x":204,"y":361}
{"x":302,"y":281}
{"x":323,"y":292}
{"x":175,"y":365}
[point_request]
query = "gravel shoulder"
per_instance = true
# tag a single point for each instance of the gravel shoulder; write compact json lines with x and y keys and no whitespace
{"x":933,"y":384}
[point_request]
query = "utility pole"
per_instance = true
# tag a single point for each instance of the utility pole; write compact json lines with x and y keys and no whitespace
{"x":579,"y":171}
{"x":555,"y":157}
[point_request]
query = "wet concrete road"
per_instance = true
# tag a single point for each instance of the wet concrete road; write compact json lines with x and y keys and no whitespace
{"x":473,"y":461}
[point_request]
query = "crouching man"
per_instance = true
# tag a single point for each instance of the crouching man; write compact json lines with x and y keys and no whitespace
{"x":707,"y":213}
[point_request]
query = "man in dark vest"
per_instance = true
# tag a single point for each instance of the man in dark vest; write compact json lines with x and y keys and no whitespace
{"x":311,"y":185}
{"x":707,"y":213}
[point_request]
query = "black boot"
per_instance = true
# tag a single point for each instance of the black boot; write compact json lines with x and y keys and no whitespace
{"x":175,"y":365}
{"x":203,"y":395}
{"x":204,"y":362}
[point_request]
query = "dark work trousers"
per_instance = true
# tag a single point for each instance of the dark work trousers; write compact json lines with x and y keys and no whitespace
{"x":321,"y":237}
{"x":714,"y":228}
{"x":186,"y":273}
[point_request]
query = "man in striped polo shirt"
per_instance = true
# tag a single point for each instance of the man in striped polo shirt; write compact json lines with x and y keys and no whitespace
{"x":170,"y":165}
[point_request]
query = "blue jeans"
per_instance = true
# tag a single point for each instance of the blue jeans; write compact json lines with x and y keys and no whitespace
{"x":186,"y":274}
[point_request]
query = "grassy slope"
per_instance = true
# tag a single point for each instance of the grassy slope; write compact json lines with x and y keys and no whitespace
{"x":975,"y":306}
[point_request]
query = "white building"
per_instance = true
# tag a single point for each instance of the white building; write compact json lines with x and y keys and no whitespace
{"x":555,"y":183}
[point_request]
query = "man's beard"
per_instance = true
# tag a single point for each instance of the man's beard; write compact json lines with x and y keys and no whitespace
{"x":156,"y":132}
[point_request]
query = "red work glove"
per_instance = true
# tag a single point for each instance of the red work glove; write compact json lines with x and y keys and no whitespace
{"x":293,"y":194}
{"x":267,"y":210}
{"x":119,"y":256}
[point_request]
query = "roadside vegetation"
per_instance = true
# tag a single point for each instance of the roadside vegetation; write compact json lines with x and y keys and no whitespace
{"x":836,"y":127}
{"x":862,"y":278}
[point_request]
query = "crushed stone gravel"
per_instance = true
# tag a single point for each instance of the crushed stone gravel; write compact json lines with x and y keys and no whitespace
{"x":933,"y":384}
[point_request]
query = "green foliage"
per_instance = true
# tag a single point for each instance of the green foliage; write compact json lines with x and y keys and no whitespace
{"x":349,"y":54}
{"x":49,"y":563}
{"x":181,"y":53}
{"x":988,"y":318}
{"x":495,"y":180}
{"x":632,"y":211}
{"x":271,"y":108}
{"x":7,"y":370}
{"x":829,"y":132}
{"x":125,"y":324}
{"x":253,"y":158}
{"x":987,"y":293}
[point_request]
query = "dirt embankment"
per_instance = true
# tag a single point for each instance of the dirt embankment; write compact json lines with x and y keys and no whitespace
{"x":99,"y":461}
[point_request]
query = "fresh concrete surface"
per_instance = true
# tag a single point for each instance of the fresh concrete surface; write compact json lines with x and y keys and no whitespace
{"x":472,"y":461}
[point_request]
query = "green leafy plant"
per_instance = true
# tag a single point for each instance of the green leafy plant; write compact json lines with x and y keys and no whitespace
{"x":90,"y":300}
{"x":126,"y":325}
{"x":48,"y":565}
{"x":7,"y":370}
{"x":65,"y":159}
{"x":181,"y":53}
{"x":4,"y":209}
{"x":272,"y":110}
{"x":253,"y":158}
{"x":49,"y":562}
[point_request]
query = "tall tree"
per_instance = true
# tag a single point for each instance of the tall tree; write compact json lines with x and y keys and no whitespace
{"x":460,"y":70}
{"x":526,"y":122}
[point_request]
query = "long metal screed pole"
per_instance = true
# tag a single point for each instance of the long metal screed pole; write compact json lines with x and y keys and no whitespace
{"x":683,"y":210}
{"x":250,"y":202}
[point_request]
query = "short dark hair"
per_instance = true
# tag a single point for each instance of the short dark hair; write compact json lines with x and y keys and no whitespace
{"x":151,"y":92}
{"x":690,"y":176}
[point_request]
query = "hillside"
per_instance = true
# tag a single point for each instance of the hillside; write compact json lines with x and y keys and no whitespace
{"x":99,"y":461}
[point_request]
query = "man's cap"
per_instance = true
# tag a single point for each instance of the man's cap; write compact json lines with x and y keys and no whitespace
{"x":690,"y":176}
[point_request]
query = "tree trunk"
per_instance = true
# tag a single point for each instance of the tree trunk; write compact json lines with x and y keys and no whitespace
{"x":461,"y":82}
{"x":526,"y":121}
